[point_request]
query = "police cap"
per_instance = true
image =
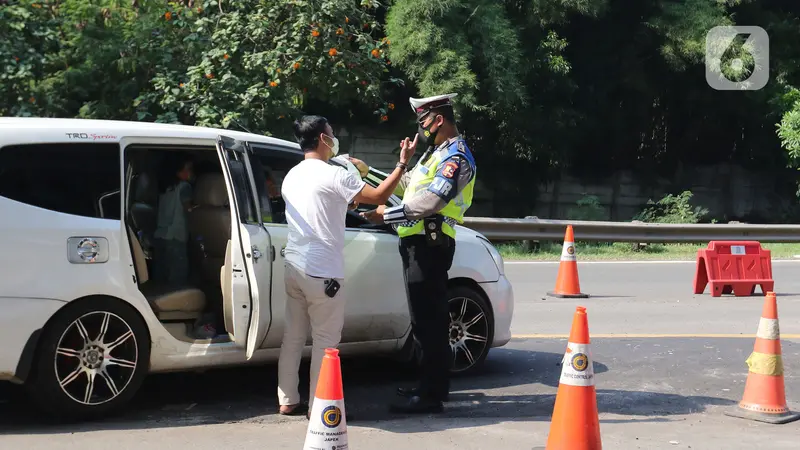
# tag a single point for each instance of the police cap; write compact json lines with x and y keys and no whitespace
{"x":422,"y":106}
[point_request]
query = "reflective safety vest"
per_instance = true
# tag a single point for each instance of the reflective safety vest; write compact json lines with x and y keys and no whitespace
{"x":423,"y":175}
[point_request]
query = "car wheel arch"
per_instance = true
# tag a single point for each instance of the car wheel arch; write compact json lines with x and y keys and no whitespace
{"x":30,"y":352}
{"x":409,"y":348}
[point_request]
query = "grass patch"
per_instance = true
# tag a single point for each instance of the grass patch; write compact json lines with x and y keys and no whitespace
{"x":598,"y":251}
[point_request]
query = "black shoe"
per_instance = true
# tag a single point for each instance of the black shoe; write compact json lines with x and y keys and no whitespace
{"x":417,"y":405}
{"x":299,"y":409}
{"x":411,"y":392}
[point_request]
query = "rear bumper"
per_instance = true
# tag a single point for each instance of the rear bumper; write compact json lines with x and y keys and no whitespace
{"x":501,"y":296}
{"x":21,"y":320}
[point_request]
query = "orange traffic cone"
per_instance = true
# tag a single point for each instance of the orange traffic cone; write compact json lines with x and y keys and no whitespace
{"x":567,"y":283}
{"x":764,"y":397}
{"x":327,"y":426}
{"x":575,"y":424}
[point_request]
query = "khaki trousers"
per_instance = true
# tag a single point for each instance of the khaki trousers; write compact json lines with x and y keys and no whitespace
{"x":307,"y":306}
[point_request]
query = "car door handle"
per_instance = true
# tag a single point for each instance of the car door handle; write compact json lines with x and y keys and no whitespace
{"x":256,"y":254}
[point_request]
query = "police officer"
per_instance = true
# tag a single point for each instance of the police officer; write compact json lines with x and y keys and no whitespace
{"x":437,"y":193}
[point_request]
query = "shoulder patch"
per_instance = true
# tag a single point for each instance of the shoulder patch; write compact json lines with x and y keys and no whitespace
{"x":449,"y":169}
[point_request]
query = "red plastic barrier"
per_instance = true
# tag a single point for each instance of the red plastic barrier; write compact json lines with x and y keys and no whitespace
{"x":733,"y":266}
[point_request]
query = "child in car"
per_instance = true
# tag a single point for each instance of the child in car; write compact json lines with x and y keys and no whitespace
{"x":171,"y":261}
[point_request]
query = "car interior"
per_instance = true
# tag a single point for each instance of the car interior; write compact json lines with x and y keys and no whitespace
{"x":185,"y":310}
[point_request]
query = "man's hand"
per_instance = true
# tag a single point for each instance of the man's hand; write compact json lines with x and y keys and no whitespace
{"x":353,"y":205}
{"x":362,"y":167}
{"x":375,"y":216}
{"x":407,"y":149}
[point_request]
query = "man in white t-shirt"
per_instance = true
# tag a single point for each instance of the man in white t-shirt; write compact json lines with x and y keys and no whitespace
{"x":317,"y":196}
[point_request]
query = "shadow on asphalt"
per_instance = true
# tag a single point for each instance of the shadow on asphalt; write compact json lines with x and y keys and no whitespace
{"x":526,"y":381}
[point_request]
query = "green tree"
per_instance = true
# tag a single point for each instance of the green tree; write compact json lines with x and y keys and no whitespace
{"x":255,"y":62}
{"x":246,"y":63}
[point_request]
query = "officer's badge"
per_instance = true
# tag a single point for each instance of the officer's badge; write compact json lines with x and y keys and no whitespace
{"x":449,"y":169}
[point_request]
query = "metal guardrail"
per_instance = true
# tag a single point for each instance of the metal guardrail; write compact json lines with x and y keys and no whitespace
{"x":543,"y":229}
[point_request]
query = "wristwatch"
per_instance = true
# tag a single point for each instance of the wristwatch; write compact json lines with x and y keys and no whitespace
{"x":402,"y":165}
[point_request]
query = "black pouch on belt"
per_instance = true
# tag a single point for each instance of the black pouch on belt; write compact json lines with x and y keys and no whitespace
{"x":433,"y":230}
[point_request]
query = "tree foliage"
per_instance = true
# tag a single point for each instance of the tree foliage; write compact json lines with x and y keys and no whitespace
{"x":246,"y":63}
{"x":255,"y":62}
{"x":595,"y":86}
{"x":545,"y":86}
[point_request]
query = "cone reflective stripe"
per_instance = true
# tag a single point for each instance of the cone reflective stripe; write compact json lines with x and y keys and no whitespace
{"x":567,"y":283}
{"x":575,"y":424}
{"x":327,"y":426}
{"x":576,"y":369}
{"x":568,"y":251}
{"x":764,"y":397}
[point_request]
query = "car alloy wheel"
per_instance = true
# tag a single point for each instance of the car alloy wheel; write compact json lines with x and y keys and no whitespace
{"x":91,"y":358}
{"x":470,"y":331}
{"x":96,"y":358}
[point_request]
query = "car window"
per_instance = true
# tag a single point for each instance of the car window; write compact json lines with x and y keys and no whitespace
{"x":271,"y":166}
{"x":74,"y":178}
{"x":375,"y":178}
{"x":275,"y":163}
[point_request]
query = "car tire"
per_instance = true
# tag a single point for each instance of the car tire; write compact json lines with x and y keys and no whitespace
{"x":477,"y":306}
{"x":97,"y":339}
{"x":471,"y":327}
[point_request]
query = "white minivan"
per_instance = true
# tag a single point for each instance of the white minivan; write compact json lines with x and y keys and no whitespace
{"x":82,"y":322}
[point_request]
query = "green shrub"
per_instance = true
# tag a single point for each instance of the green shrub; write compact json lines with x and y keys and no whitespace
{"x":672,"y":209}
{"x":587,"y":208}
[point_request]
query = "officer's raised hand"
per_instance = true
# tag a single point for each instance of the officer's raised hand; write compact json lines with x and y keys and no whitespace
{"x":407,"y":149}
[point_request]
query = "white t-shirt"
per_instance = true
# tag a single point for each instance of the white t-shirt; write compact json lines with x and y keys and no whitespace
{"x":316,"y":196}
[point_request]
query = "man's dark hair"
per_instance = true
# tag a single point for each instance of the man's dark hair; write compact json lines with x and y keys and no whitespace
{"x":307,"y":130}
{"x":173,"y":163}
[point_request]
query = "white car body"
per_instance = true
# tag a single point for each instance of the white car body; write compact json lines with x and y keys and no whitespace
{"x":40,"y":275}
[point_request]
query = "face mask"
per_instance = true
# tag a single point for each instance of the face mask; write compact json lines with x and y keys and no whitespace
{"x":427,"y":136}
{"x":335,"y":148}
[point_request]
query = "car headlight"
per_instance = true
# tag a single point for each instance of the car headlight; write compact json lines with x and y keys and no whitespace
{"x":496,"y":256}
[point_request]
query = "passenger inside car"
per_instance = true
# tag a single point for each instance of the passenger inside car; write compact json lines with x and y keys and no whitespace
{"x":171,"y":234}
{"x":277,"y":213}
{"x":195,"y":310}
{"x":190,"y":307}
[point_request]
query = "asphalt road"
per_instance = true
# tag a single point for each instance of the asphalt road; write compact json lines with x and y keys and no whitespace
{"x":668,"y":364}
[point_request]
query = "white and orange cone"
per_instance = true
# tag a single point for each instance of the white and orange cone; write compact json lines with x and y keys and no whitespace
{"x":764,"y":398}
{"x":575,"y":424}
{"x":567,"y":283}
{"x":327,"y":426}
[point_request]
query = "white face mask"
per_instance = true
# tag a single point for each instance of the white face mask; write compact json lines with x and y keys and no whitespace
{"x":335,"y":148}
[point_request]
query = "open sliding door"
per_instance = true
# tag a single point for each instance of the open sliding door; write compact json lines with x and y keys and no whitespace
{"x":247,"y":273}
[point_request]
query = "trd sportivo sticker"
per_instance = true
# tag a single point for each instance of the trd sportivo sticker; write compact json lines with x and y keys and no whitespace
{"x":89,"y":136}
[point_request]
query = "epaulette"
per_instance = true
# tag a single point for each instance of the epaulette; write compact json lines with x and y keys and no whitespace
{"x":459,"y":148}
